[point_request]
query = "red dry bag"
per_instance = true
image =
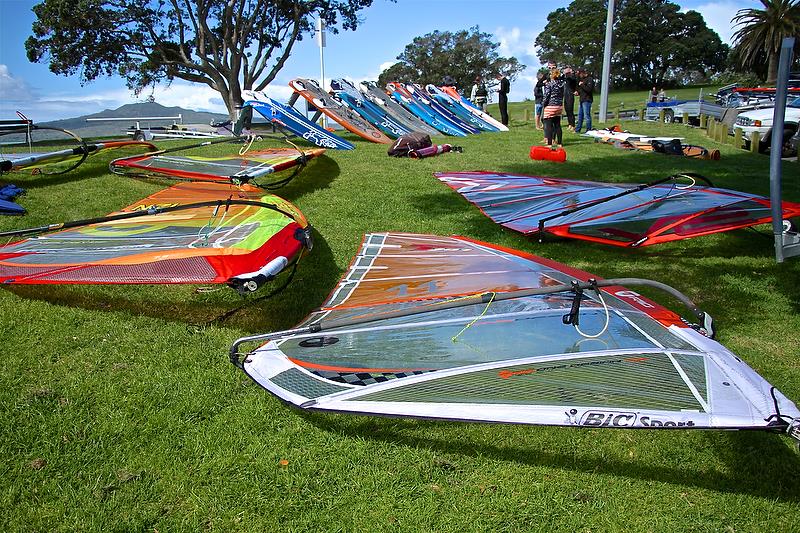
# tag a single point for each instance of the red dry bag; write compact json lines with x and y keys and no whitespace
{"x":546,"y":153}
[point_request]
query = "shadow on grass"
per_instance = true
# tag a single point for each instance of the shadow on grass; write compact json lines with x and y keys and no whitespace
{"x":223,"y":307}
{"x":756,"y":463}
{"x":318,"y":174}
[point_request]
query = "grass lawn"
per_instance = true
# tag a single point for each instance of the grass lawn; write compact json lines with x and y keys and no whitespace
{"x":120,"y":411}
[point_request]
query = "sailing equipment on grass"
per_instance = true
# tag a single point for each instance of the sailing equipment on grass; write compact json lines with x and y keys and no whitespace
{"x":615,"y":134}
{"x":234,"y":169}
{"x":291,"y":119}
{"x":619,"y":214}
{"x":433,"y":150}
{"x":7,"y":194}
{"x":193,"y":232}
{"x":337,"y":111}
{"x":41,"y":150}
{"x":467,"y":105}
{"x":450,"y":328}
{"x":672,"y":147}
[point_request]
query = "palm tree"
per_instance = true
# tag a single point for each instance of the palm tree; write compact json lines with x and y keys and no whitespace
{"x":761,"y":32}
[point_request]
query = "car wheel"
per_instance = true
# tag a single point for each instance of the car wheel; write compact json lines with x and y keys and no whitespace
{"x":669,"y":116}
{"x":139,"y":136}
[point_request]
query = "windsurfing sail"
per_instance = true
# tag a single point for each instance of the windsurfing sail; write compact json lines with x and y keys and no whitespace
{"x":193,"y":232}
{"x":49,"y":155}
{"x":290,"y":118}
{"x":234,"y":169}
{"x":450,"y":328}
{"x":619,"y":214}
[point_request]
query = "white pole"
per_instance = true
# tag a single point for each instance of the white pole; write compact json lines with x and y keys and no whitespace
{"x":321,"y":43}
{"x":604,"y":85}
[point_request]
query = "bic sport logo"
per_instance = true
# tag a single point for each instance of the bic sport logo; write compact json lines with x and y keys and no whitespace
{"x":623,"y":419}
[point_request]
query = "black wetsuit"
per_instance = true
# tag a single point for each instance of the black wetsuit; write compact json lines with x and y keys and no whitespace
{"x":569,"y":97}
{"x":502,"y":99}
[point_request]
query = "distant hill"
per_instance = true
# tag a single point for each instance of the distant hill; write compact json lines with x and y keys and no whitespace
{"x":80,"y":126}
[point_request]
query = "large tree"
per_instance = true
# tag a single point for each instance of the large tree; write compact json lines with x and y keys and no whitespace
{"x":461,"y":56}
{"x":654,"y":42}
{"x":229,"y":45}
{"x":574,"y":35}
{"x":761,"y":31}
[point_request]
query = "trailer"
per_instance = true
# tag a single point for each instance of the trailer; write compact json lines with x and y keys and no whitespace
{"x":674,"y":110}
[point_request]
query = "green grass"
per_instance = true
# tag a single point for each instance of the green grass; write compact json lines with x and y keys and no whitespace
{"x":120,"y":411}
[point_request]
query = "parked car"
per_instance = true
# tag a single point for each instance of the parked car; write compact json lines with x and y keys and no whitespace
{"x":760,"y":121}
{"x":794,"y":142}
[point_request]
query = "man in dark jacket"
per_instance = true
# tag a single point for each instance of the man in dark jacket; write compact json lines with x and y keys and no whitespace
{"x":585,"y":97}
{"x":502,"y":97}
{"x":538,"y":95}
{"x":570,"y":90}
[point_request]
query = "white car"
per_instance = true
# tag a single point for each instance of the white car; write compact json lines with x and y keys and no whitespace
{"x":760,"y":120}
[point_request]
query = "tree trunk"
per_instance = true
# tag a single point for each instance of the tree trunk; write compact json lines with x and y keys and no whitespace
{"x":234,"y":104}
{"x":772,"y":68}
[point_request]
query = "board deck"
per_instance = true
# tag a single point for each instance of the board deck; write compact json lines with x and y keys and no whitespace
{"x":294,"y":121}
{"x":377,"y":96}
{"x":402,"y":96}
{"x":466,"y":105}
{"x":347,"y":118}
{"x":371,"y":112}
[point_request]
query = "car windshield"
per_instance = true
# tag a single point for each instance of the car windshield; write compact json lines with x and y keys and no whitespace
{"x":794,"y":103}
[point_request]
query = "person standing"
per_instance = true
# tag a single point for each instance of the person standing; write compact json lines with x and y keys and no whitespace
{"x":570,"y":91}
{"x":479,"y":94}
{"x":541,"y":79}
{"x":552,"y":107}
{"x":585,"y":99}
{"x":502,"y":97}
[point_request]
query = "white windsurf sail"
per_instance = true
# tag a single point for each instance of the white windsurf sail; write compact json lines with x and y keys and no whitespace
{"x":449,"y":328}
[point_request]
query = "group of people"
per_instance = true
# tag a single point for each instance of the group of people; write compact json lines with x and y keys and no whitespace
{"x":480,"y":96}
{"x":658,"y":96}
{"x":555,"y":93}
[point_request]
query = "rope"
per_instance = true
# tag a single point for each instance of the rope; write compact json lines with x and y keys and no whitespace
{"x":465,"y":328}
{"x":207,"y":236}
{"x":297,"y":169}
{"x":250,"y":139}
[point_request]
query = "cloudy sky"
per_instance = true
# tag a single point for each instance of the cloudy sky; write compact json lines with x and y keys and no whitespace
{"x":386,"y":29}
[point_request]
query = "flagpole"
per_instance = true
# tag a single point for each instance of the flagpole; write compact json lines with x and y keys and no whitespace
{"x":604,"y":82}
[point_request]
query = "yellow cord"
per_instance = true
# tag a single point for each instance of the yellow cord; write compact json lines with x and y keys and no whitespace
{"x":465,"y":328}
{"x":244,"y":149}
